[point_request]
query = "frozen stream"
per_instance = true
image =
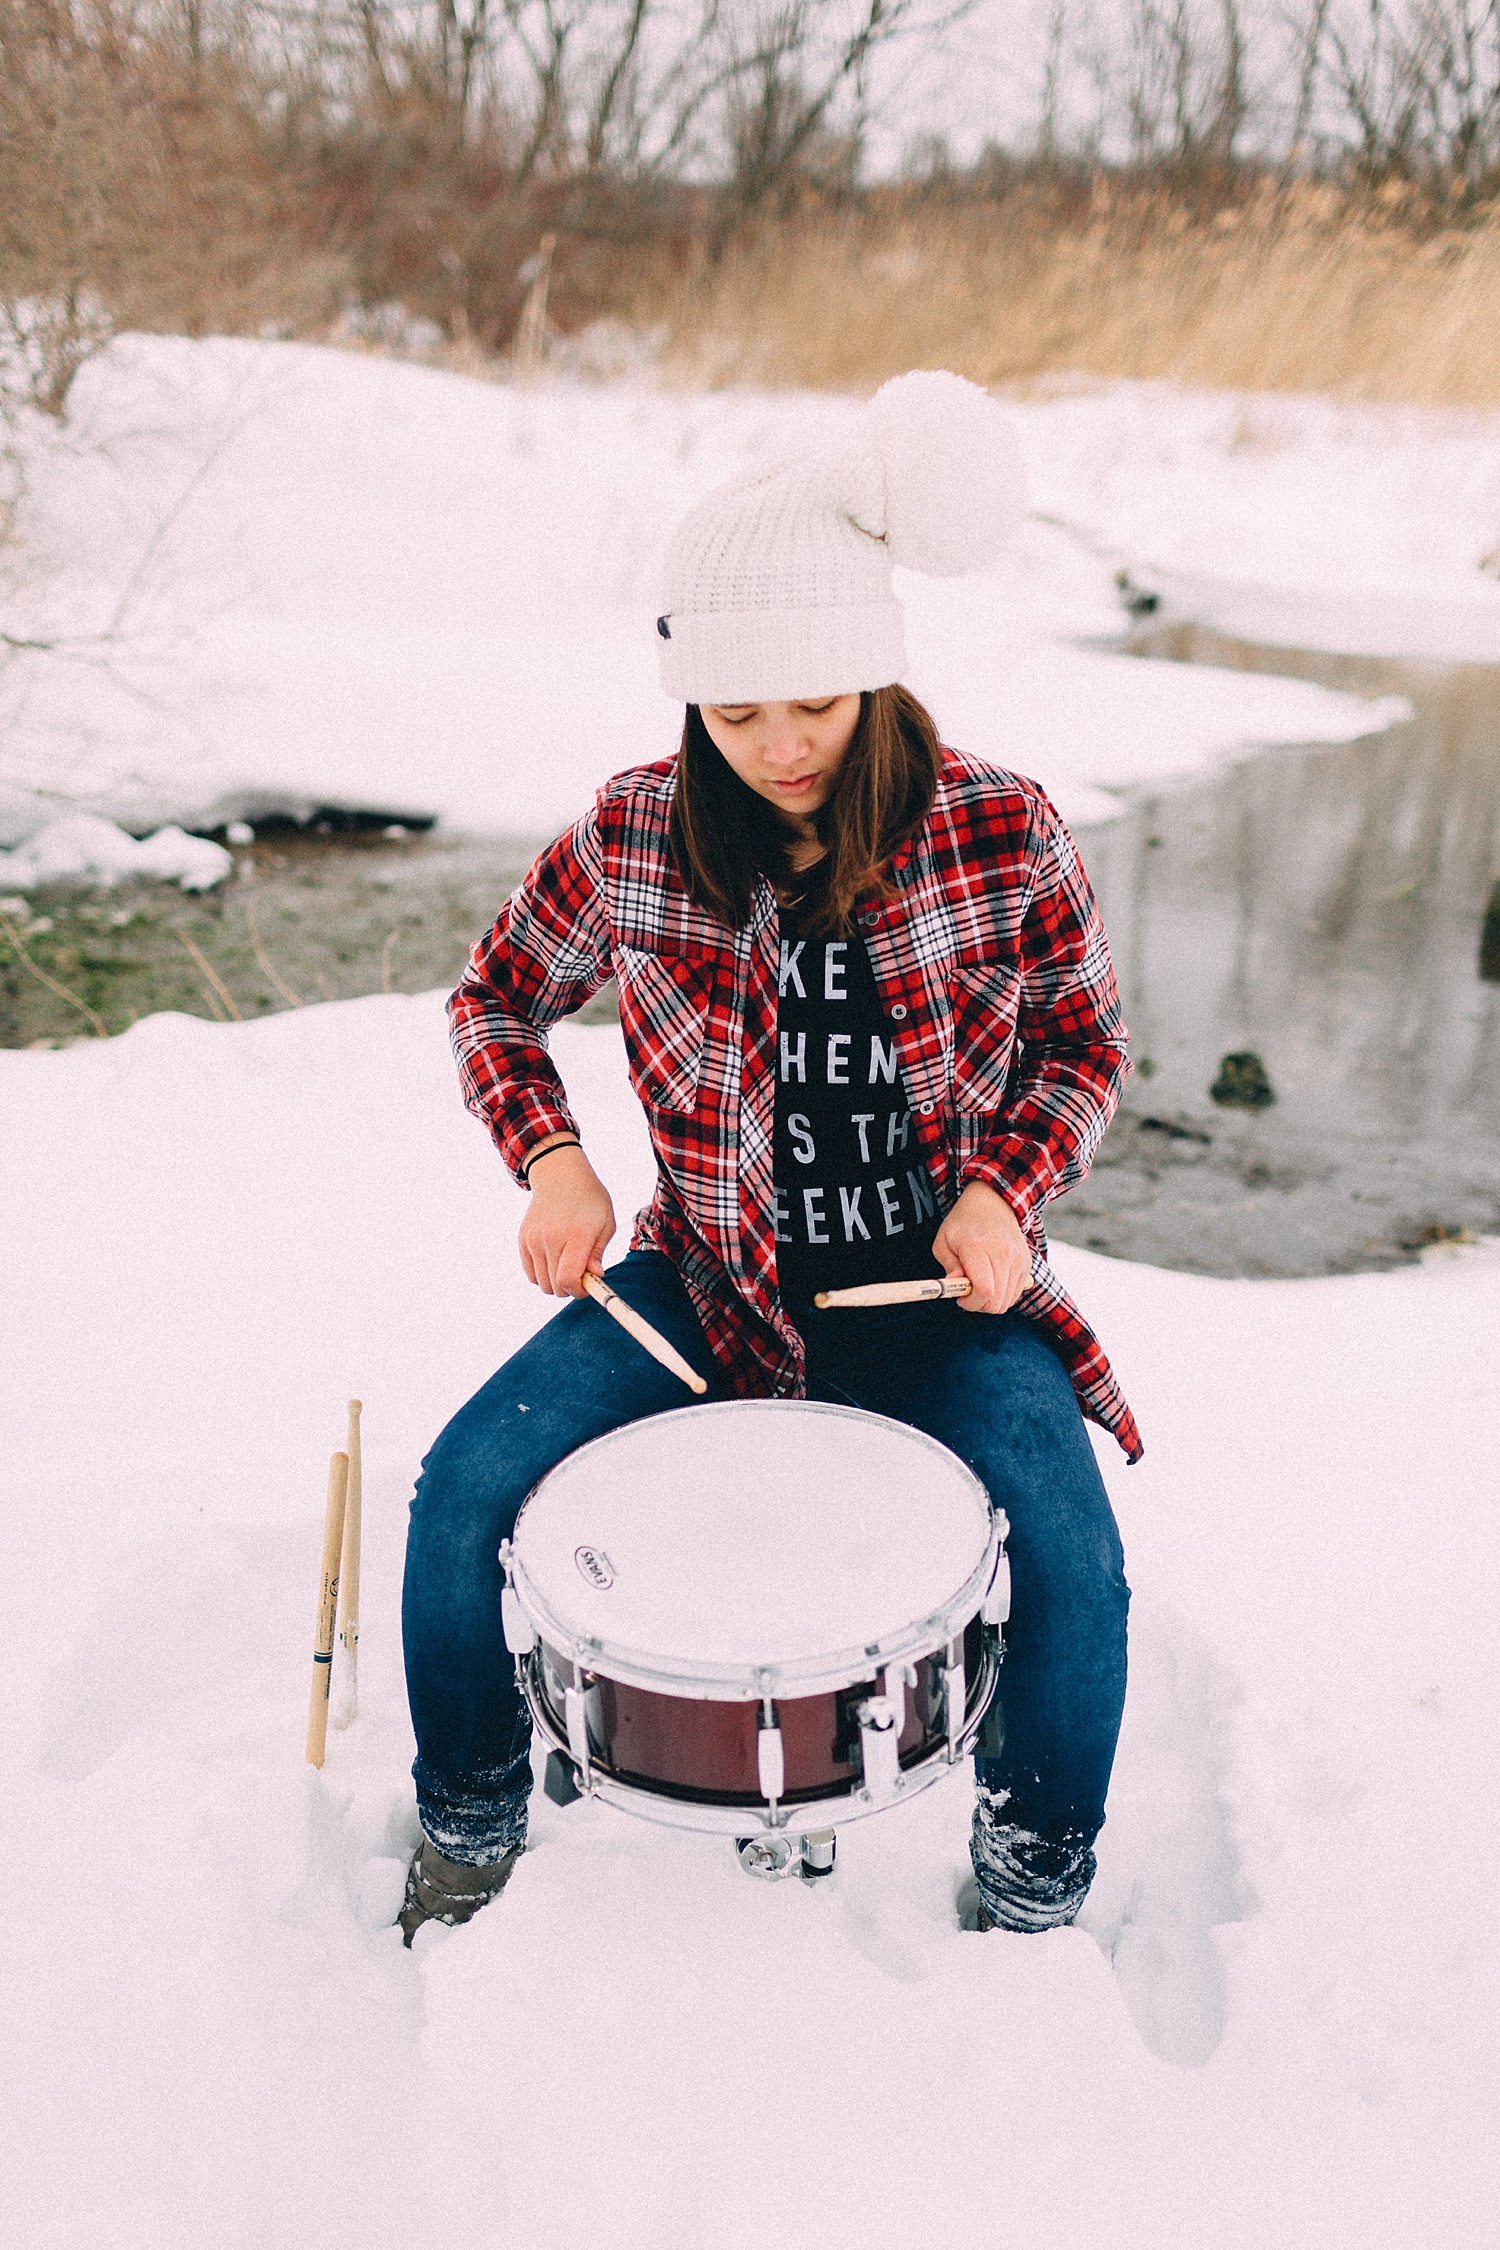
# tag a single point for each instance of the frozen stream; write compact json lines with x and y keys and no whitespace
{"x":1331,"y":913}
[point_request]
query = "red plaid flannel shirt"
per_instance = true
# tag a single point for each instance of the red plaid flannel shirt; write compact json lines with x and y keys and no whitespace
{"x":990,"y":961}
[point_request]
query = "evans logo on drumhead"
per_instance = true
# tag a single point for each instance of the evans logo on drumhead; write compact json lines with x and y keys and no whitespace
{"x":596,"y":1568}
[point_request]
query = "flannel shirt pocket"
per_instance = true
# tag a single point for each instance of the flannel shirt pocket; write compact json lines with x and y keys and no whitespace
{"x":664,"y":1015}
{"x":984,"y":1035}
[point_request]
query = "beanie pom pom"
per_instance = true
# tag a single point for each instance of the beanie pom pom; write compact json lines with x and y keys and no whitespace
{"x":953,"y":479}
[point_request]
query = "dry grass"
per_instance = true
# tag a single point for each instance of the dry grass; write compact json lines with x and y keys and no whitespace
{"x":1300,"y":292}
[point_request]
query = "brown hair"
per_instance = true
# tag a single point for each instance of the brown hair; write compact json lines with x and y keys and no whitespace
{"x":724,"y":835}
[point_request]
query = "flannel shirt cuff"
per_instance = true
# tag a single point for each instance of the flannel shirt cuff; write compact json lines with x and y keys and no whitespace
{"x":1020,"y":1170}
{"x":528,"y":1117}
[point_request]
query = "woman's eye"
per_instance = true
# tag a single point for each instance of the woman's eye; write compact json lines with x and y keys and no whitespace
{"x":731,"y":721}
{"x":816,"y":710}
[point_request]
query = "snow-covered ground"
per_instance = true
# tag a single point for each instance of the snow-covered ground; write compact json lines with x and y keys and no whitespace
{"x":281,"y":577}
{"x":1366,"y":530}
{"x":1277,"y":2025}
{"x":278,"y":576}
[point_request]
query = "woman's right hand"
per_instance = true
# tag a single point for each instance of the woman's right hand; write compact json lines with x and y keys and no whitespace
{"x":569,"y":1221}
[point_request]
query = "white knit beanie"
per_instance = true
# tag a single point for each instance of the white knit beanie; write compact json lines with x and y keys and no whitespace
{"x":777,"y":587}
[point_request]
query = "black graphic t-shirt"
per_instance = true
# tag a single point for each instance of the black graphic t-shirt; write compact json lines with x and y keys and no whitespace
{"x":854,"y":1201}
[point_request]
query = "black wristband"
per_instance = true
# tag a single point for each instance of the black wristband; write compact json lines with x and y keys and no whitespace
{"x":547,"y":1151}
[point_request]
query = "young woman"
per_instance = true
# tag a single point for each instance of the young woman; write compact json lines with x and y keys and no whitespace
{"x":869,"y":1011}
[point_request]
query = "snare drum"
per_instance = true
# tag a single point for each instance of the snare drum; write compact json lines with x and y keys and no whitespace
{"x":739,"y":1614}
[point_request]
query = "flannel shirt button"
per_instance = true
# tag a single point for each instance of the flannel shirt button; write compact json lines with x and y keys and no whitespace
{"x":898,"y":1013}
{"x":868,"y":921}
{"x":924,"y":1109}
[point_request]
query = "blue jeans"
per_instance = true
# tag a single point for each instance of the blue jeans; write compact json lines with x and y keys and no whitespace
{"x":985,"y":1386}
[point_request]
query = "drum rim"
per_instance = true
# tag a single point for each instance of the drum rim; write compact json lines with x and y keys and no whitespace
{"x":828,"y":1671}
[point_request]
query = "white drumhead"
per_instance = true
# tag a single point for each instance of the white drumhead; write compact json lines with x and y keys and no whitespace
{"x":722,"y":1542}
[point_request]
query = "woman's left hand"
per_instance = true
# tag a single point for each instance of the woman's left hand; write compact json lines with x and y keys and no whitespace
{"x":981,"y":1238}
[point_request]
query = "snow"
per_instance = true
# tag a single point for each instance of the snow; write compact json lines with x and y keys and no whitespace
{"x":1276,"y":2024}
{"x":85,"y":848}
{"x":277,"y":577}
{"x":1301,"y":522}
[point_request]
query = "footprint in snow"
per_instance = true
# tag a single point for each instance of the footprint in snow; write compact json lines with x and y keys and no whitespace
{"x":1169,"y":1868}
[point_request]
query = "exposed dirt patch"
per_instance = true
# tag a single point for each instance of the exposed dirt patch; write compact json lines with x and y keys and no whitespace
{"x":306,"y":917}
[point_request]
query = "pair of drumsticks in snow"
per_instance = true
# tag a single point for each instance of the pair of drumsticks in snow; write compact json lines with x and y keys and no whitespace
{"x":826,"y":1300}
{"x":338,"y":1583}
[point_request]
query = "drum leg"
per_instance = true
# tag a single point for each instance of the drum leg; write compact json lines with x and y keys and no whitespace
{"x":766,"y":1856}
{"x":818,"y":1854}
{"x":561,"y":1783}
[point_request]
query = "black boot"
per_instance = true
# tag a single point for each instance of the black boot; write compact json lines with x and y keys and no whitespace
{"x":1028,"y":1884}
{"x":443,"y":1890}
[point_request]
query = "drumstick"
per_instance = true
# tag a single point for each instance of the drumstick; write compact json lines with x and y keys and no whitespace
{"x":643,"y":1332}
{"x":894,"y":1293}
{"x":346,"y":1707}
{"x":328,"y":1602}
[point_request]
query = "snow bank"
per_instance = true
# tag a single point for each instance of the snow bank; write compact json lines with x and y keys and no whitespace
{"x":279,"y":578}
{"x":1298,"y":522}
{"x":1275,"y":2027}
{"x":84,"y":848}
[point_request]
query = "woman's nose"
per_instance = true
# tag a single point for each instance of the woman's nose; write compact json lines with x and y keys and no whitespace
{"x":784,"y":747}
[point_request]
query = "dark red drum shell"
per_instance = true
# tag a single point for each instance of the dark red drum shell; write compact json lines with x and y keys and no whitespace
{"x":708,"y":1752}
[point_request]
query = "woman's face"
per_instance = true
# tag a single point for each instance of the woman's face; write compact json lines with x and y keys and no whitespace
{"x":787,"y":753}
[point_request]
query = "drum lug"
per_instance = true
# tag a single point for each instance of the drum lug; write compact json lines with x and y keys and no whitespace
{"x":771,"y":1757}
{"x":514,"y":1624}
{"x":520,"y":1639}
{"x":880,"y":1757}
{"x":996,"y":1608}
{"x":955,"y":1691}
{"x":898,"y":1678}
{"x":575,"y":1712}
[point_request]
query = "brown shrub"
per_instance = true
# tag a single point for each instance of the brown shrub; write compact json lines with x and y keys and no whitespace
{"x":139,"y":186}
